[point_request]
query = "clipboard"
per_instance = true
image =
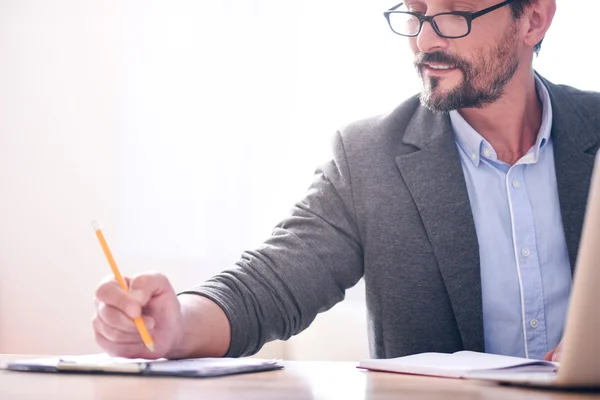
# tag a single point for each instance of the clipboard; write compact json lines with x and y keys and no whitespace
{"x":104,"y":364}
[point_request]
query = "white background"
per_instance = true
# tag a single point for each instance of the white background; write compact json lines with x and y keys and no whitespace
{"x":188,"y":129}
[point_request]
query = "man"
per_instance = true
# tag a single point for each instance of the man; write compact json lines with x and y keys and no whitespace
{"x":462,"y":209}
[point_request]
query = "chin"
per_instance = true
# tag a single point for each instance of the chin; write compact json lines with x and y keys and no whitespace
{"x":441,"y":92}
{"x":449,"y":83}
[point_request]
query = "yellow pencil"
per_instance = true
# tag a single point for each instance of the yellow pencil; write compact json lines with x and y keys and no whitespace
{"x":139,"y":322}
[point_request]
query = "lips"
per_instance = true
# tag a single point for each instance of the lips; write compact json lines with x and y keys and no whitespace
{"x":438,"y":63}
{"x":439,"y":66}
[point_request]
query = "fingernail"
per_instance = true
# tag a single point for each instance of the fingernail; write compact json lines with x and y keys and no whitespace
{"x":149,"y":323}
{"x":555,"y":357}
{"x":133,"y":311}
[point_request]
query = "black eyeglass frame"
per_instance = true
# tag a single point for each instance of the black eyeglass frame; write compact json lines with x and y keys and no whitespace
{"x":468,"y":16}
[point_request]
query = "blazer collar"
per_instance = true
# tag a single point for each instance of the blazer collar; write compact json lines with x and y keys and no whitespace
{"x":426,"y":126}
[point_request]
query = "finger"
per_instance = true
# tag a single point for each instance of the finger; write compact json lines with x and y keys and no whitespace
{"x":556,"y":356}
{"x":111,"y":279}
{"x":136,"y":350}
{"x":114,"y":335}
{"x":557,"y":352}
{"x":115,"y":318}
{"x":111,"y":294}
{"x":549,"y":355}
{"x":148,"y":285}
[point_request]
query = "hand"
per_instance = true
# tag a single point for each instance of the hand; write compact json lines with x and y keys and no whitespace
{"x":152,"y":296}
{"x":554,"y":354}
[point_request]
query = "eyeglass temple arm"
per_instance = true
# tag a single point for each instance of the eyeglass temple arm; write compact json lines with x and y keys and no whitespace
{"x":490,"y":9}
{"x":396,"y":7}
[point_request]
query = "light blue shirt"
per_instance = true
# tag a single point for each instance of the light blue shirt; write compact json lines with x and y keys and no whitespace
{"x":525,"y":269}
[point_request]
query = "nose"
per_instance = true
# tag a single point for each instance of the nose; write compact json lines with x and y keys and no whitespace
{"x":429,"y":41}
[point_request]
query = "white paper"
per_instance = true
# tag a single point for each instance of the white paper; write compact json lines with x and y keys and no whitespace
{"x":455,"y":365}
{"x":186,"y":367}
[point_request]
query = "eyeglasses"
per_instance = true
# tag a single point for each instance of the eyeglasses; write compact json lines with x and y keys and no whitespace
{"x":450,"y":25}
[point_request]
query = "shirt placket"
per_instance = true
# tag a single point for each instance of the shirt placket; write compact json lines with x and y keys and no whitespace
{"x":527,"y":263}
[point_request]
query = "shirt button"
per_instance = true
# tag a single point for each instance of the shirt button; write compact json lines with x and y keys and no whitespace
{"x":525,"y":252}
{"x":487,"y":152}
{"x":534,"y":323}
{"x":474,"y":157}
{"x":516,"y":184}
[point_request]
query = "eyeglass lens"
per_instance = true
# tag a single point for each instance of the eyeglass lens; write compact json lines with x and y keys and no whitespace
{"x":450,"y":25}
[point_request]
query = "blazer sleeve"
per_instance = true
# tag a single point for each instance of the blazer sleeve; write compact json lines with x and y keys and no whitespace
{"x":304,"y":268}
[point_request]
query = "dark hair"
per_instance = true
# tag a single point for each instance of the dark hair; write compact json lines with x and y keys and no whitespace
{"x":518,"y":8}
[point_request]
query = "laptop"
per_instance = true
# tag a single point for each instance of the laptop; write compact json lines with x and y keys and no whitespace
{"x":580,"y":357}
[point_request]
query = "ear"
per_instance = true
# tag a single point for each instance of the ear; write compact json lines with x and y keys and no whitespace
{"x":538,"y":17}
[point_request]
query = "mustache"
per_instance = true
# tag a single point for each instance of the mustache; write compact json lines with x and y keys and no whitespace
{"x":440,"y":57}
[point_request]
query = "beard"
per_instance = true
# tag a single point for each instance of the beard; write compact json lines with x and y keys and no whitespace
{"x":483,"y":81}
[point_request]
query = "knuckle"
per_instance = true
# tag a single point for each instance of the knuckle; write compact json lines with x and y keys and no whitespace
{"x":105,"y":289}
{"x":104,"y":313}
{"x":97,"y":325}
{"x":112,"y":334}
{"x":95,"y":321}
{"x":100,"y":340}
{"x":146,"y":277}
{"x":115,"y":318}
{"x":119,"y":320}
{"x":113,"y":296}
{"x":149,"y":281}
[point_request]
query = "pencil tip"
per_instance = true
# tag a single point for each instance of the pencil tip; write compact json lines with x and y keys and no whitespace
{"x":150,"y":347}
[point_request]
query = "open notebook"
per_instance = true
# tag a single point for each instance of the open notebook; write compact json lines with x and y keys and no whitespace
{"x":103,"y":363}
{"x":457,"y":365}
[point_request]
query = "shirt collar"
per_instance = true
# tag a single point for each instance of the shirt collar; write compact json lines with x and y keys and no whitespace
{"x":475,"y":146}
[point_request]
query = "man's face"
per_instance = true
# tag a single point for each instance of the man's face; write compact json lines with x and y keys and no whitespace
{"x":469,"y":72}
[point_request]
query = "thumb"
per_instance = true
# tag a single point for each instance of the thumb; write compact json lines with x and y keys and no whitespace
{"x":145,"y":286}
{"x":556,"y":353}
{"x":549,"y":355}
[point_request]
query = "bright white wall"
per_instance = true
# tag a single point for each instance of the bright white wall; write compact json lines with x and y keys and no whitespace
{"x":114,"y":110}
{"x":188,"y":129}
{"x":60,"y":86}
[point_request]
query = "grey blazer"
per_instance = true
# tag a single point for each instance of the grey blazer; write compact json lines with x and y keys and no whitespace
{"x":392,"y":207}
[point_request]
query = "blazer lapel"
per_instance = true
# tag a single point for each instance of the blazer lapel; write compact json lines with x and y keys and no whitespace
{"x":574,"y":149}
{"x":435,"y":179}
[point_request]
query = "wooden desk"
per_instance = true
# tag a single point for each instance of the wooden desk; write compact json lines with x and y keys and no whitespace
{"x":299,"y":380}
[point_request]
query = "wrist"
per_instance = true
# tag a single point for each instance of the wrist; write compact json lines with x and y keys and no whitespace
{"x":203,"y":330}
{"x":179,"y":343}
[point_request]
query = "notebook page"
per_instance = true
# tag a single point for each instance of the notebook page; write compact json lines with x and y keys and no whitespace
{"x":103,"y":363}
{"x":102,"y":359}
{"x":209,"y":366}
{"x":484,"y":361}
{"x":450,"y":365}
